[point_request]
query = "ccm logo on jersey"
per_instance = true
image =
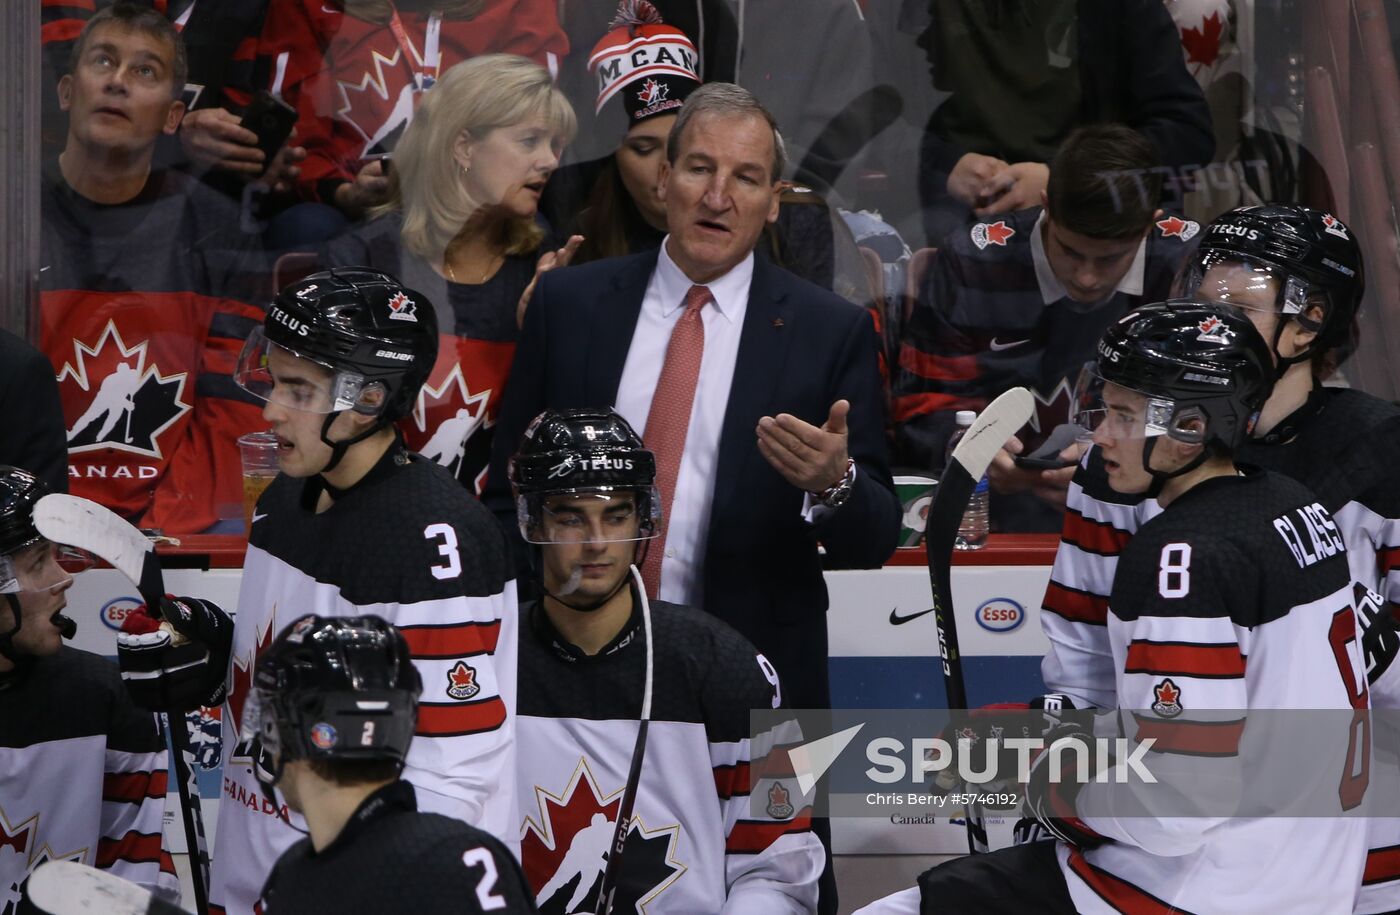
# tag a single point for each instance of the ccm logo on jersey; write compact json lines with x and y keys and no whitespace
{"x":287,"y":321}
{"x":1321,"y":531}
{"x":1000,"y":614}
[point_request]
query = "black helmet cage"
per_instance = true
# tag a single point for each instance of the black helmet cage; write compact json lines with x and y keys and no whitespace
{"x":1190,"y":361}
{"x":582,"y":452}
{"x":336,"y":689}
{"x":1313,"y":255}
{"x":366,"y":329}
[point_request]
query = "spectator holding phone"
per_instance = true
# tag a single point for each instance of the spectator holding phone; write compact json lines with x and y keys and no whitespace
{"x":1020,"y":300}
{"x":355,"y":70}
{"x":462,"y":226}
{"x":145,"y":288}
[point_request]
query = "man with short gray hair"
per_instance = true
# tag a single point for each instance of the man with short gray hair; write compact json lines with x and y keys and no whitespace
{"x":759,"y":394}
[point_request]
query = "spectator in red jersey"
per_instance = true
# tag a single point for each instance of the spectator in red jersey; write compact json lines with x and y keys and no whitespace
{"x":356,"y":69}
{"x":461,"y":226}
{"x":145,"y":287}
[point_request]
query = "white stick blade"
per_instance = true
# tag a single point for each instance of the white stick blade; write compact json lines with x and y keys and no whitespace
{"x":85,"y":524}
{"x":69,"y":888}
{"x":997,"y":423}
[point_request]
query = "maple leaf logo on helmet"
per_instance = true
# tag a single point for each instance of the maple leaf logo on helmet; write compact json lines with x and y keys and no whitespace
{"x":1168,"y":703}
{"x":461,"y":681}
{"x":1213,"y":330}
{"x":1334,"y":226}
{"x":779,"y":802}
{"x":402,"y":308}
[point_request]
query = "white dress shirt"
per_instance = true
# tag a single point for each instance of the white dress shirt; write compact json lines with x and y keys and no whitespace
{"x":1052,"y":290}
{"x":682,"y":568}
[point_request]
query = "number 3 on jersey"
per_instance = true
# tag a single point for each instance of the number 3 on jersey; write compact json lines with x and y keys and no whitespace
{"x":451,"y":565}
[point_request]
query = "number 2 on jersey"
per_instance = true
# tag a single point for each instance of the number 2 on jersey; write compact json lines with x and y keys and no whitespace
{"x":489,"y":901}
{"x":451,"y":566}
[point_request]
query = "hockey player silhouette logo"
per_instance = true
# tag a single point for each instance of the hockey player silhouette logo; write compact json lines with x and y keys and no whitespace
{"x":1213,"y":330}
{"x":381,"y":104}
{"x":1168,"y":703}
{"x":1334,"y":226}
{"x":121,"y":401}
{"x":461,"y":681}
{"x":402,"y":308}
{"x":565,"y":853}
{"x":15,"y":844}
{"x":446,"y":421}
{"x":652,"y":92}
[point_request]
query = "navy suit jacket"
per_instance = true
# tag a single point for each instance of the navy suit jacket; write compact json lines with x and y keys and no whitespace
{"x":801,"y":349}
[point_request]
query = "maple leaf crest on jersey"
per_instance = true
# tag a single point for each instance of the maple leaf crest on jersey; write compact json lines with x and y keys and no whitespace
{"x":565,"y":852}
{"x":993,"y":233}
{"x":1175,"y":226}
{"x":461,"y":681}
{"x":15,"y":842}
{"x":1168,"y":696}
{"x":121,"y":400}
{"x":780,"y":802}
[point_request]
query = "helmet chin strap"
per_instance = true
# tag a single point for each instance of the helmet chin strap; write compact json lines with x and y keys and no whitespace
{"x":339,"y":448}
{"x":638,"y":557}
{"x":1160,"y":477}
{"x":66,"y":628}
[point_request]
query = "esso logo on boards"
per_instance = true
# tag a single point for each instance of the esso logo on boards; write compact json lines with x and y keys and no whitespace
{"x":1000,"y":614}
{"x":114,"y":612}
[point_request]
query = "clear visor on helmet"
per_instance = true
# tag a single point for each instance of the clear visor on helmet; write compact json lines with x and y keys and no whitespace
{"x":1106,"y":408}
{"x":595,"y":516}
{"x":41,"y":567}
{"x":276,"y":374}
{"x":1243,"y":282}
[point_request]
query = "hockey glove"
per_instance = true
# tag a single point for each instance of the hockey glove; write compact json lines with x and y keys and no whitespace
{"x":1051,"y":804}
{"x":1052,"y":707}
{"x":179,"y":660}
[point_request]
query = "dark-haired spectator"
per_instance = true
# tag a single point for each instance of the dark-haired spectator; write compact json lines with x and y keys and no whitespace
{"x":1020,"y":301}
{"x":145,"y":284}
{"x":461,"y":227}
{"x":806,"y":60}
{"x":356,"y":69}
{"x":1021,"y":75}
{"x":623,"y":213}
{"x":31,"y":413}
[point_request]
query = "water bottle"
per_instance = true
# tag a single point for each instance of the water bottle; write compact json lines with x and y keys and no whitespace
{"x":972,"y":533}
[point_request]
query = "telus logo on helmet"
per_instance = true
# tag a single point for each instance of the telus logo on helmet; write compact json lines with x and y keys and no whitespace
{"x":281,"y":317}
{"x":1241,"y":231}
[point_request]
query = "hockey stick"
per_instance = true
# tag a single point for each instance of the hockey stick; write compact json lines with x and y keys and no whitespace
{"x":70,"y":888}
{"x":966,"y":466}
{"x":85,"y":524}
{"x":607,"y":890}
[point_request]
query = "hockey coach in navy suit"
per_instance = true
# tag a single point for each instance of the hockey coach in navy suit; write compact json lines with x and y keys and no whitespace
{"x":758,"y":392}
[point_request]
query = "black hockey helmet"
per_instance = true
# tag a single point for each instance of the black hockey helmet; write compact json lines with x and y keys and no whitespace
{"x":370,"y":332}
{"x":336,"y":688}
{"x":1313,"y":257}
{"x":577,"y":452}
{"x":20,"y":491}
{"x":1193,"y":361}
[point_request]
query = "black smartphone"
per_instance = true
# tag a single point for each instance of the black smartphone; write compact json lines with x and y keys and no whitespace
{"x":272,"y":120}
{"x":1048,"y":462}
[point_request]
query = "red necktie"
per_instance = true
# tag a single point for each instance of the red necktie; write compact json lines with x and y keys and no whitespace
{"x":669,"y":418}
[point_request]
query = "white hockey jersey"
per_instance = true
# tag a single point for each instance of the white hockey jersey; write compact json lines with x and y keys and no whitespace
{"x":82,"y":776}
{"x":1341,"y":445}
{"x":409,"y":544}
{"x":720,"y":825}
{"x":1236,"y":598}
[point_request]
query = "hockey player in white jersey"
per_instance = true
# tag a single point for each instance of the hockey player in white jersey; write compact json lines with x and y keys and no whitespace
{"x":1297,"y":273}
{"x":356,"y":524}
{"x":1217,"y":605}
{"x":718,"y":825}
{"x":82,"y":770}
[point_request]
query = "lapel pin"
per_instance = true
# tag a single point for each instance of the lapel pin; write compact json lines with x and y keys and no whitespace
{"x":777,"y":322}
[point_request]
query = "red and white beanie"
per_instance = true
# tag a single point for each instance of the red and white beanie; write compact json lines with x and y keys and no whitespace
{"x":653,"y":65}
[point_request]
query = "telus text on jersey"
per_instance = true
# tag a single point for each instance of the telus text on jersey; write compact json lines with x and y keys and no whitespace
{"x":1322,"y":534}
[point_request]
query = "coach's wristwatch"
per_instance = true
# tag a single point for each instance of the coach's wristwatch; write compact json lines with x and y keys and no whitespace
{"x":835,"y":496}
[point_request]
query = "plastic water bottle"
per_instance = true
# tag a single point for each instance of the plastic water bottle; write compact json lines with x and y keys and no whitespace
{"x":972,"y":533}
